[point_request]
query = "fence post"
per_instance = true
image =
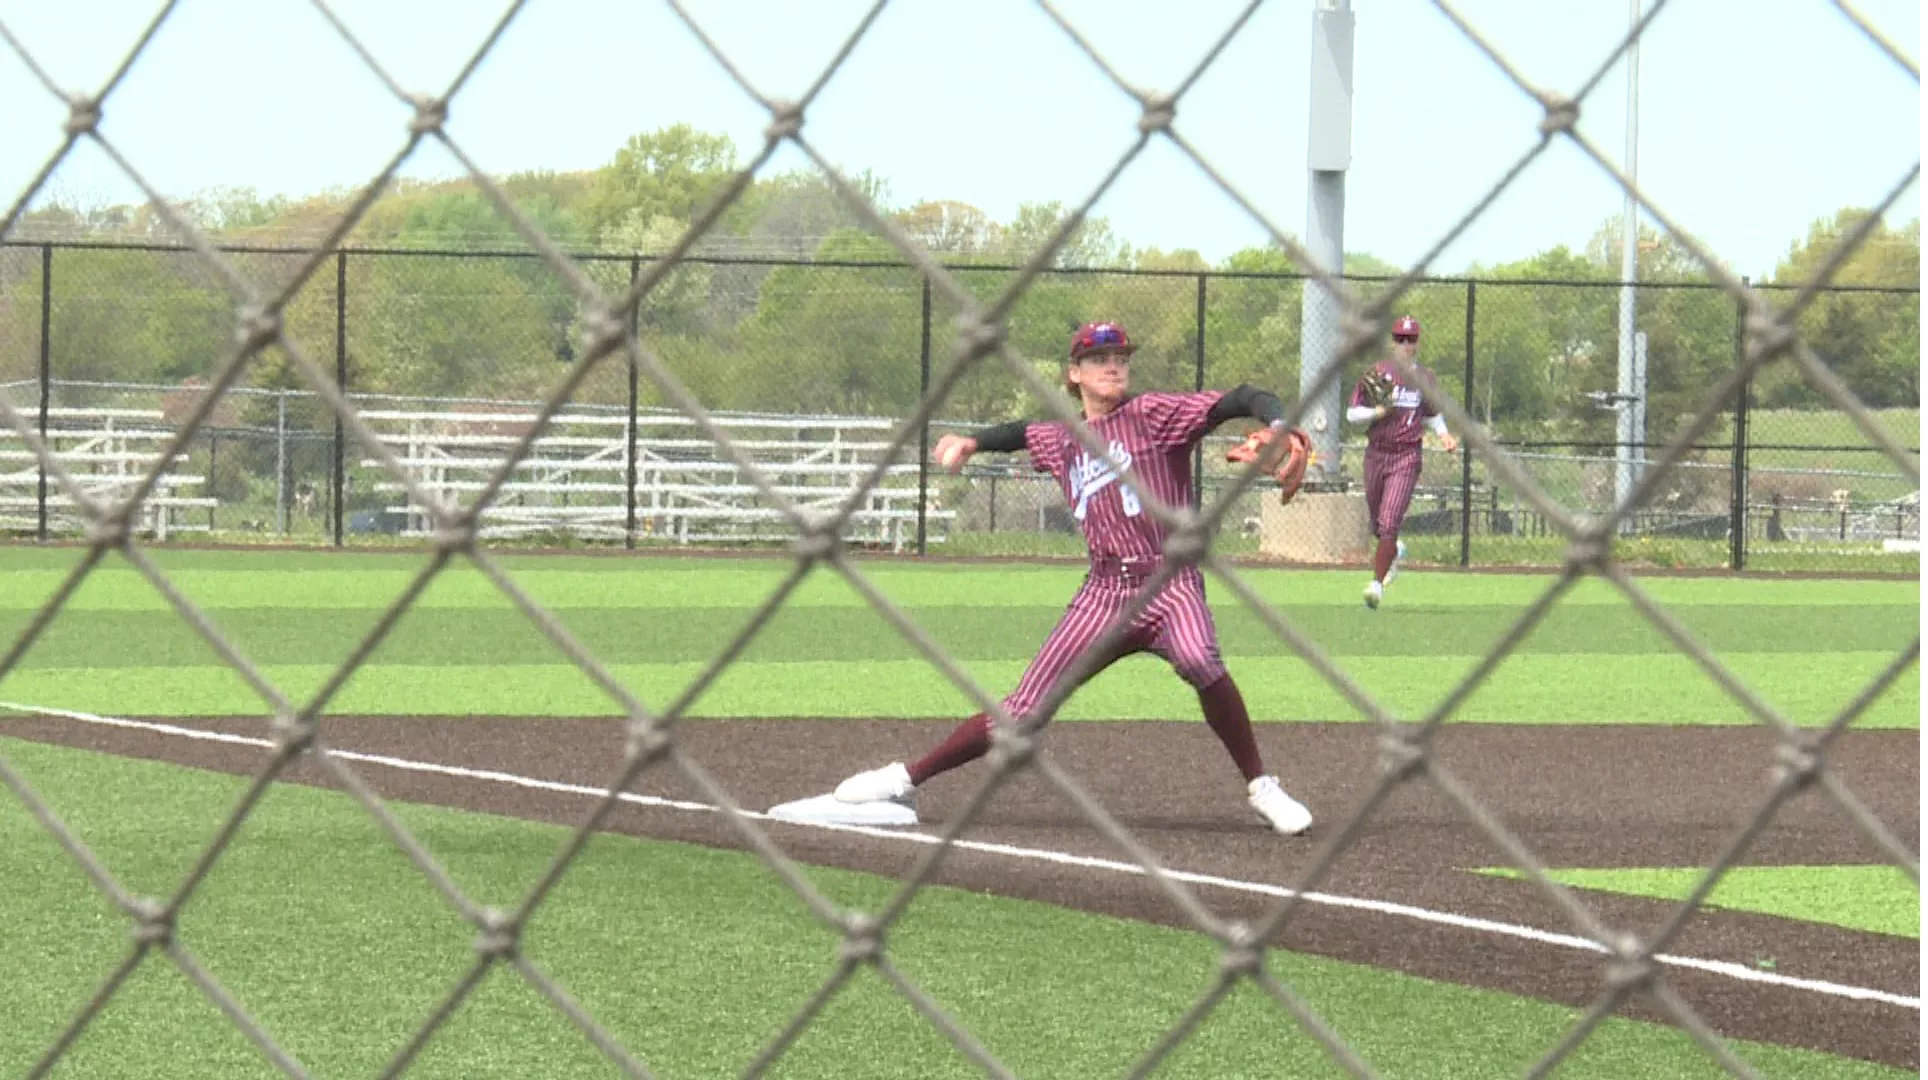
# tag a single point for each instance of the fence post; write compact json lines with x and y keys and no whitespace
{"x":214,"y":456}
{"x":1198,"y":383}
{"x":629,"y":448}
{"x":46,"y":372}
{"x":924,"y":430}
{"x":281,"y":463}
{"x":1737,"y":508}
{"x":1466,"y":445}
{"x":340,"y":479}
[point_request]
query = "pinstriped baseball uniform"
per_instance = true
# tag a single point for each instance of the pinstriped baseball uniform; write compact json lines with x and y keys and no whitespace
{"x":1394,"y":445}
{"x":1153,"y":434}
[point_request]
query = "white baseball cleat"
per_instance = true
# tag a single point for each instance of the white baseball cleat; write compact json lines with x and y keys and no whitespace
{"x":1281,"y":811}
{"x":888,"y":784}
{"x":1374,"y":591}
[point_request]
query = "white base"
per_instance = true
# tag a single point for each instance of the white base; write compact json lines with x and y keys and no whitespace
{"x":826,"y":810}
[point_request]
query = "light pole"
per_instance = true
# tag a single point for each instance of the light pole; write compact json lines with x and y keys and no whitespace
{"x":1630,"y":389}
{"x":1328,"y":155}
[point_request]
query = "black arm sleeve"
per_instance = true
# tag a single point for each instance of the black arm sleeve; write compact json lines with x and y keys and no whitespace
{"x":1002,"y":438}
{"x":1246,"y":400}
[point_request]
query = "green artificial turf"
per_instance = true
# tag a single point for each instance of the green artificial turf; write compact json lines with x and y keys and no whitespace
{"x":1880,"y":899}
{"x":1807,"y":647}
{"x":692,"y":958}
{"x":1664,"y":690}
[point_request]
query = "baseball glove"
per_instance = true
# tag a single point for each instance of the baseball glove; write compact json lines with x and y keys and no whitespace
{"x":1283,"y":453}
{"x":1378,"y":386}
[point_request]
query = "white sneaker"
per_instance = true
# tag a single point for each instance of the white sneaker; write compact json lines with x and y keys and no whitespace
{"x":1398,"y":556}
{"x":1281,"y":811}
{"x":888,"y":784}
{"x":1374,"y":591}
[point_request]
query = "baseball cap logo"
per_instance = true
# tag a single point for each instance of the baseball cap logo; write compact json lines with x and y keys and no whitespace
{"x":1092,"y":337}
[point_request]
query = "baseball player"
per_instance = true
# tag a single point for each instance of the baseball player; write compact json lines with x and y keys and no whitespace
{"x":1397,"y":417}
{"x":1152,"y":434}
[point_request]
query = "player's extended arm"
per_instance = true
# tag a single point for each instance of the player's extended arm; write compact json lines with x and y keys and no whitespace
{"x":1365,"y":414}
{"x":952,"y":451}
{"x":1246,"y":400}
{"x":1285,"y":453}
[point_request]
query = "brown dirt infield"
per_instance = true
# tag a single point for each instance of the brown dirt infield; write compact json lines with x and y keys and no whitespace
{"x":1576,"y":796}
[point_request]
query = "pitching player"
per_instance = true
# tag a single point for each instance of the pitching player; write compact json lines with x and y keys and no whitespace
{"x":1152,"y":434}
{"x":1397,"y":418}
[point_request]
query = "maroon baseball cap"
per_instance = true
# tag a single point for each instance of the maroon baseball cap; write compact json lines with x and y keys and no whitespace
{"x":1095,"y":337}
{"x":1407,"y":326}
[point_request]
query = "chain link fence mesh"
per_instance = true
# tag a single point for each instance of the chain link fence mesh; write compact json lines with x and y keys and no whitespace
{"x":588,"y":344}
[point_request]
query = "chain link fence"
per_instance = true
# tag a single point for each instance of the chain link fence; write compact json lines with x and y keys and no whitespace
{"x":1782,"y":479}
{"x":624,"y":345}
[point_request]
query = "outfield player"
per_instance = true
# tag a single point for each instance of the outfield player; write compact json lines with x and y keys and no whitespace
{"x":1397,"y":417}
{"x":1153,"y":434}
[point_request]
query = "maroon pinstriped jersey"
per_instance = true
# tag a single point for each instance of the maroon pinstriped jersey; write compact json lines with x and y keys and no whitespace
{"x":1153,"y":435}
{"x":1404,"y":427}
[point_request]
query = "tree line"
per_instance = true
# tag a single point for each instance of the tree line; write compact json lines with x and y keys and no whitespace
{"x":752,"y":335}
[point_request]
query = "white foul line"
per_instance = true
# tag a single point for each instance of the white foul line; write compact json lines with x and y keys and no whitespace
{"x":1726,"y":968}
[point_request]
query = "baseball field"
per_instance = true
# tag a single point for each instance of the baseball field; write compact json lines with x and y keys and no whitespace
{"x":1618,"y":762}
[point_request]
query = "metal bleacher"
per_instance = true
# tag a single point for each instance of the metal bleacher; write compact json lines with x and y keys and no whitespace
{"x":573,"y":481}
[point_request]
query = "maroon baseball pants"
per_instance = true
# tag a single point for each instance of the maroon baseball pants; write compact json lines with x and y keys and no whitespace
{"x":1177,"y":626}
{"x":1390,"y":479}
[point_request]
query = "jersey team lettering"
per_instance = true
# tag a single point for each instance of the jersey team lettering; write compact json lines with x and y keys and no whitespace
{"x":1090,"y":475}
{"x":1151,"y":434}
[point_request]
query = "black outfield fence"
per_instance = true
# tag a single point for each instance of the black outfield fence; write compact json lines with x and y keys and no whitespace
{"x":108,"y":342}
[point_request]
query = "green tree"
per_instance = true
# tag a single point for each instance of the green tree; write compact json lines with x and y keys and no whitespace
{"x":793,"y":212}
{"x":1091,"y":244}
{"x":833,"y":339}
{"x":1690,"y":329}
{"x":1871,"y":339}
{"x":671,"y":172}
{"x":1658,"y":256}
{"x":137,"y":316}
{"x":1252,"y":321}
{"x":233,"y":211}
{"x":1360,"y":264}
{"x":1539,"y":336}
{"x":679,"y":303}
{"x":952,"y":230}
{"x":452,"y":326}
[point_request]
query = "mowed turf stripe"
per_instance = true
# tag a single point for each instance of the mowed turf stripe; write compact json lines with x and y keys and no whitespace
{"x":1316,"y":586}
{"x":435,"y":635}
{"x":1527,"y":689}
{"x":336,"y":945}
{"x":644,"y":583}
{"x":1878,"y":899}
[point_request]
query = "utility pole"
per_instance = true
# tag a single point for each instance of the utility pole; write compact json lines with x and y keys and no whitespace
{"x":1328,"y":155}
{"x":1630,"y":389}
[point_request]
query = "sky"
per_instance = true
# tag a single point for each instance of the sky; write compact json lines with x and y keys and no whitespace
{"x":1755,"y":117}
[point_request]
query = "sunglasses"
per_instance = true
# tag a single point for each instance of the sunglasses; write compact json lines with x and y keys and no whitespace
{"x":1405,"y":339}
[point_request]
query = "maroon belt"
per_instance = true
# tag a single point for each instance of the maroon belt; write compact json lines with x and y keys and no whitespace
{"x":1141,"y":566}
